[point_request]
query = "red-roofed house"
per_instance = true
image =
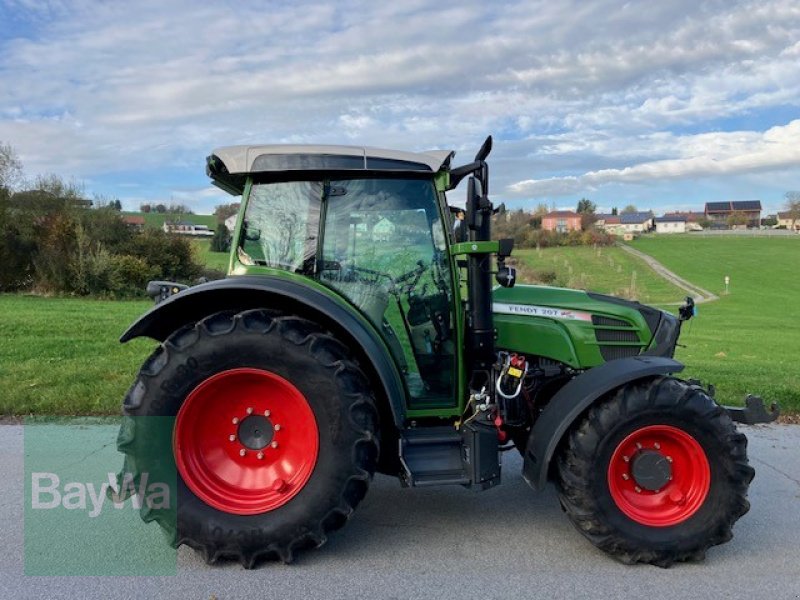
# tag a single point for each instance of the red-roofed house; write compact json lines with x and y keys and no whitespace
{"x":134,"y":221}
{"x":562,"y":221}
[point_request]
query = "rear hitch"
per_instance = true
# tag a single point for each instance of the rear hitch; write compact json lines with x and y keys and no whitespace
{"x":753,"y":412}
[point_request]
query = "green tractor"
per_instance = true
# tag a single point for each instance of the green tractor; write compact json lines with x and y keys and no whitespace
{"x":358,"y":331}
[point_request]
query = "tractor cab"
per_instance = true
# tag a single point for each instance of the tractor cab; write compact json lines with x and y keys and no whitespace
{"x":379,"y":241}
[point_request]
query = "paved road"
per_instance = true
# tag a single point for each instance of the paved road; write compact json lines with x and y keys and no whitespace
{"x":454,"y":543}
{"x":699,"y":294}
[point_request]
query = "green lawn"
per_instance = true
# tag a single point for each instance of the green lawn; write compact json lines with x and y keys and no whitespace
{"x":63,"y":356}
{"x":748,"y":341}
{"x":212,"y":260}
{"x":608,"y":270}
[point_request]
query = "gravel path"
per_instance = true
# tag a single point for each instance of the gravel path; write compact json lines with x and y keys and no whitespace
{"x":699,"y":294}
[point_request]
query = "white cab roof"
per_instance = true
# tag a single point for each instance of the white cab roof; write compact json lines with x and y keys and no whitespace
{"x":242,"y":159}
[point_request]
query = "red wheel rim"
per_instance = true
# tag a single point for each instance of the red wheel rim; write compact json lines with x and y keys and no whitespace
{"x":245,"y":441}
{"x":680,"y":496}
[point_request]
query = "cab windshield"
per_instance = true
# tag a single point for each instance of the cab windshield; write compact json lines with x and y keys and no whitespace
{"x":379,"y":243}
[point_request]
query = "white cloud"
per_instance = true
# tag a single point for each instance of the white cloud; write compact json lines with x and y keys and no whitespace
{"x":704,"y":155}
{"x":577,"y":94}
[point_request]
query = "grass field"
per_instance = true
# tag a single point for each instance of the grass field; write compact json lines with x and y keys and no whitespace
{"x":608,"y":270}
{"x":748,"y":341}
{"x":212,"y":260}
{"x":61,"y":355}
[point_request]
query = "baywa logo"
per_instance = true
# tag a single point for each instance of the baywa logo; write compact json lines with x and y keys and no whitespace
{"x":48,"y":493}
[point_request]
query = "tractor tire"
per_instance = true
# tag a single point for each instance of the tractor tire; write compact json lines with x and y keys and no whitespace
{"x":272,"y":434}
{"x":655,"y":473}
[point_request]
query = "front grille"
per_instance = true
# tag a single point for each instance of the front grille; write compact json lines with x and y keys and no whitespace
{"x":615,"y":335}
{"x":609,"y":322}
{"x":620,"y":336}
{"x":613,"y":352}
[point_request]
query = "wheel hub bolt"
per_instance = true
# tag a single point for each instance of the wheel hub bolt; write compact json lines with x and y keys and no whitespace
{"x":279,"y":485}
{"x":242,"y":452}
{"x":249,"y":411}
{"x":274,"y":444}
{"x":657,"y":446}
{"x":277,"y":427}
{"x":267,"y":413}
{"x":677,"y":497}
{"x":625,"y":476}
{"x":638,"y":489}
{"x":232,"y":437}
{"x":669,"y":459}
{"x":626,"y":458}
{"x":260,"y":455}
{"x":235,"y":420}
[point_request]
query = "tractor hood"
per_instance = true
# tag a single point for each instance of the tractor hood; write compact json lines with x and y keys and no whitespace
{"x":580,"y":329}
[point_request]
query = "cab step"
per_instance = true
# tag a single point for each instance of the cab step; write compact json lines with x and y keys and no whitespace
{"x":446,"y":456}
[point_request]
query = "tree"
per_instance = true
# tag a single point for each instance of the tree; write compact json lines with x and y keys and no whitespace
{"x":145,"y":208}
{"x":223,"y":211}
{"x":737,"y":218}
{"x":629,"y":209}
{"x":586,"y":209}
{"x":179,"y":209}
{"x":614,"y":211}
{"x":793,"y":206}
{"x":160,"y":208}
{"x":769,"y":221}
{"x":586,"y":206}
{"x":221,"y":242}
{"x":10,"y":167}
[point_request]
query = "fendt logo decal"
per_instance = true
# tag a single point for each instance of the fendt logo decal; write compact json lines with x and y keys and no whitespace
{"x":540,"y":311}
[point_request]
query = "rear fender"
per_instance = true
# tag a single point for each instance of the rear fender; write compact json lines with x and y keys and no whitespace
{"x":574,"y":398}
{"x":242,"y":293}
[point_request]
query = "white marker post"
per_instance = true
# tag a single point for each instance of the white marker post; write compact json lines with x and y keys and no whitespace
{"x":727,"y":283}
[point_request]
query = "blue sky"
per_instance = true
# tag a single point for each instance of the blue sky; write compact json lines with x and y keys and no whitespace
{"x":662,"y":105}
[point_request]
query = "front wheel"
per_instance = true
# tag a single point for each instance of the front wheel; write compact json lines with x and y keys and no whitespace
{"x":655,"y":473}
{"x":272,"y":432}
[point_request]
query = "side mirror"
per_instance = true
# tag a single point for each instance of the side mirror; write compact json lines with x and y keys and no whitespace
{"x":474,"y":193}
{"x":485,"y":149}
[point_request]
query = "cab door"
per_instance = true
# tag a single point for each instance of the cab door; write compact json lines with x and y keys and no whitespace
{"x":383,"y":248}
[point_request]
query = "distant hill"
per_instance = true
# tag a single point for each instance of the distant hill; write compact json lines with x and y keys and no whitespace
{"x":156,"y":220}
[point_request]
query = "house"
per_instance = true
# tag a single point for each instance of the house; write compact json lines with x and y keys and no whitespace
{"x":230,"y":223}
{"x":133,"y":221}
{"x":561,"y":221}
{"x":636,"y":222}
{"x":694,"y":220}
{"x":671,"y":224}
{"x":722,"y":214}
{"x":187,"y":228}
{"x":608,"y":223}
{"x":789,"y":221}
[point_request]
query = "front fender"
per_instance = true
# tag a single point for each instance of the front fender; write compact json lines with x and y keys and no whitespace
{"x":242,"y":293}
{"x":574,"y":398}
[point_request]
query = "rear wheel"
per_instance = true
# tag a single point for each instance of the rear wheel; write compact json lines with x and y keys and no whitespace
{"x":655,"y":473}
{"x":274,"y":437}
